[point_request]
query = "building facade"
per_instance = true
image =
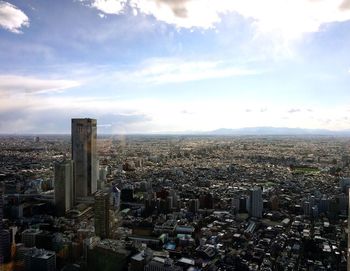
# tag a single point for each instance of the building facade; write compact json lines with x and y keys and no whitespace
{"x":102,"y":204}
{"x":84,"y":155}
{"x":40,"y":260}
{"x":64,"y":188}
{"x":256,"y":202}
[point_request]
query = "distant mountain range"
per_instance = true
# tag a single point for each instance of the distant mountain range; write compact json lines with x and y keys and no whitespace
{"x":276,"y":131}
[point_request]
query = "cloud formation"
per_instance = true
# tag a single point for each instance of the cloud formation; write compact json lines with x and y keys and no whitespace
{"x":290,"y":19}
{"x":171,"y":70}
{"x":294,"y":110}
{"x":32,"y":85}
{"x":109,"y":7}
{"x":12,"y":18}
{"x":345,"y":5}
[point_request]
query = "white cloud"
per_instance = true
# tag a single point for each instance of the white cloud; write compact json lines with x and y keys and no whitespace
{"x":31,"y":85}
{"x":289,"y":19}
{"x":12,"y":18}
{"x":164,"y":71}
{"x":109,"y":6}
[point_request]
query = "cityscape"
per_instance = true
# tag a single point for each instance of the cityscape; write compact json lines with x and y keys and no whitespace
{"x":174,"y":135}
{"x":173,"y":202}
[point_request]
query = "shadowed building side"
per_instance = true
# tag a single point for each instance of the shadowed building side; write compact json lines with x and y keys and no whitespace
{"x":84,"y":155}
{"x":64,"y":193}
{"x":102,"y":204}
{"x":348,"y":256}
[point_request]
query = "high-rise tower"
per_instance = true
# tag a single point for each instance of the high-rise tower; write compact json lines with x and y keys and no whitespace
{"x":1,"y":206}
{"x":5,"y":243}
{"x":84,"y":155}
{"x":348,"y":254}
{"x":256,"y":202}
{"x":64,"y":193}
{"x":102,"y":204}
{"x":1,"y":216}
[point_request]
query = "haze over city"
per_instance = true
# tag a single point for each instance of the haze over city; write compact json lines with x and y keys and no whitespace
{"x":174,"y":135}
{"x":167,"y":66}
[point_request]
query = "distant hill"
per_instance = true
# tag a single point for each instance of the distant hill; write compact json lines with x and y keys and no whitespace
{"x":276,"y":131}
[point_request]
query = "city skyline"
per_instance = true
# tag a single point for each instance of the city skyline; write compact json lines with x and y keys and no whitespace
{"x":158,"y":66}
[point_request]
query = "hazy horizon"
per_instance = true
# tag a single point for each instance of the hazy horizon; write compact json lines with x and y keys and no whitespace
{"x":244,"y":131}
{"x":156,"y":66}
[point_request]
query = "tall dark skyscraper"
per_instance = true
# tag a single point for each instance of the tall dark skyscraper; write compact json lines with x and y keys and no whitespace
{"x":1,"y":206}
{"x":84,"y":155}
{"x":348,"y":254}
{"x":102,"y":204}
{"x":64,"y":193}
{"x":256,"y":202}
{"x":1,"y":227}
{"x":4,"y":234}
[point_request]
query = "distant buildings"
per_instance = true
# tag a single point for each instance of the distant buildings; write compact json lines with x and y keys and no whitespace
{"x":161,"y":264}
{"x":40,"y":260}
{"x":256,"y":202}
{"x":84,"y":155}
{"x":64,"y":190}
{"x":107,"y":255}
{"x":102,"y":214}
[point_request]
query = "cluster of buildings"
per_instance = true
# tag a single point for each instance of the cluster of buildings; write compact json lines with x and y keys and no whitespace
{"x":173,"y":202}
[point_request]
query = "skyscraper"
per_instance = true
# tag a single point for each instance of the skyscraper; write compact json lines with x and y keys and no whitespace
{"x":64,"y":193}
{"x":1,"y":227}
{"x":5,"y":243}
{"x":256,"y":202}
{"x":40,"y":260}
{"x":1,"y":206}
{"x":348,"y":254}
{"x":84,"y":155}
{"x":102,"y":202}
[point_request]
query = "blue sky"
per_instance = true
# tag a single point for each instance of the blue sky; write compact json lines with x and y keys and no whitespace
{"x":183,"y":65}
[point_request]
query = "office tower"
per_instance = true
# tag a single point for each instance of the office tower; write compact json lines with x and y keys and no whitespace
{"x":243,"y":204}
{"x":40,"y":260}
{"x":116,"y":193}
{"x":235,"y":204}
{"x":4,"y":235}
{"x":175,"y":197}
{"x":256,"y":202}
{"x":159,"y":264}
{"x":102,"y":179}
{"x":127,"y":194}
{"x":5,"y":246}
{"x":1,"y":206}
{"x":45,"y":240}
{"x":307,"y":208}
{"x":5,"y":238}
{"x":194,"y":205}
{"x":84,"y":155}
{"x":348,"y":254}
{"x":206,"y":201}
{"x":169,"y":203}
{"x":64,"y":193}
{"x":29,"y":237}
{"x":102,"y":214}
{"x":274,"y":203}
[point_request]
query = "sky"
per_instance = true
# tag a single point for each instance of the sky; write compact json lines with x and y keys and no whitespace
{"x":158,"y":66}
